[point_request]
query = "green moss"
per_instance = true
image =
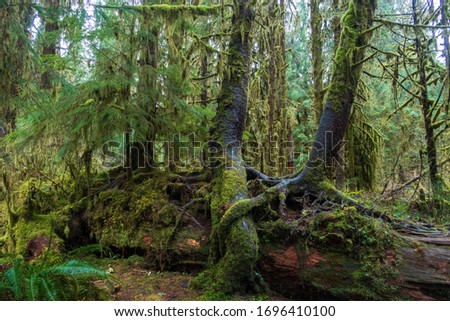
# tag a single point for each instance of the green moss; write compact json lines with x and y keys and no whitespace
{"x":350,"y":52}
{"x":40,"y":225}
{"x":229,"y":187}
{"x":355,"y":245}
{"x":123,"y":219}
{"x":349,"y":231}
{"x":235,"y":271}
{"x":120,"y":217}
{"x":276,"y":231}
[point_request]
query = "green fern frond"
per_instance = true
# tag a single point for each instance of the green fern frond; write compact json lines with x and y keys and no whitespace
{"x":77,"y":269}
{"x":14,"y":277}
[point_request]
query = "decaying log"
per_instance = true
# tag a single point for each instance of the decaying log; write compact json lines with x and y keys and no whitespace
{"x":422,"y":273}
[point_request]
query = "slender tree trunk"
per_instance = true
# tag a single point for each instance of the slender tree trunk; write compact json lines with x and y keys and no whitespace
{"x":285,"y":143}
{"x":426,"y":103}
{"x":317,"y":57}
{"x":51,"y":41}
{"x":272,"y":90}
{"x":148,"y":84}
{"x":446,"y":34}
{"x":336,"y":24}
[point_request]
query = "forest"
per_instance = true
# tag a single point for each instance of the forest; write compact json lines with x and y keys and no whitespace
{"x":224,"y":150}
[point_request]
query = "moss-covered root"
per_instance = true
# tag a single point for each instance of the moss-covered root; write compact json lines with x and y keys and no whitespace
{"x":235,"y":272}
{"x":241,"y":209}
{"x":236,"y":269}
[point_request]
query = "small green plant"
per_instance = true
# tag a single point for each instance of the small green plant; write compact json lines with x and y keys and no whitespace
{"x":31,"y":281}
{"x":93,"y":249}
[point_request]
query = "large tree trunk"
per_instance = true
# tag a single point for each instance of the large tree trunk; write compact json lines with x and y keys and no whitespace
{"x":13,"y":41}
{"x":234,"y":250}
{"x":345,"y":76}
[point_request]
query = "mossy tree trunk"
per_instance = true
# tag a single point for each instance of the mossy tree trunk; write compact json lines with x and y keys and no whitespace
{"x":51,"y":41}
{"x":445,"y":13}
{"x":13,"y":62}
{"x":346,"y":72}
{"x":148,"y":84}
{"x":317,"y":57}
{"x":234,"y":251}
{"x":426,"y":105}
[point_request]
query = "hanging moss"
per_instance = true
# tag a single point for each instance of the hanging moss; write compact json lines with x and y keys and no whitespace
{"x":362,"y":151}
{"x":174,"y":10}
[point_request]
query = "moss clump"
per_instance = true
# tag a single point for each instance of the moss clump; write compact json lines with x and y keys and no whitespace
{"x":26,"y":230}
{"x":339,"y":276}
{"x":356,"y":245}
{"x":276,"y":231}
{"x":347,"y":230}
{"x":121,"y":218}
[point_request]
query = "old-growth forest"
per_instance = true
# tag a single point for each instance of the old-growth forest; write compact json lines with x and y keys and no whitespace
{"x":224,"y":149}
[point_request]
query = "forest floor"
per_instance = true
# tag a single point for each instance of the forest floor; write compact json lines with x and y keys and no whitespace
{"x":132,"y":281}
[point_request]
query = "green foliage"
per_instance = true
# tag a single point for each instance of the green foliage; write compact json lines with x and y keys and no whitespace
{"x":96,"y":249}
{"x":39,"y":281}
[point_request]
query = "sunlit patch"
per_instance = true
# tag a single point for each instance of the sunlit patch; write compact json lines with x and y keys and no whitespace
{"x":193,"y":243}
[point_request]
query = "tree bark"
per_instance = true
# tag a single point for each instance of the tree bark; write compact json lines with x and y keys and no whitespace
{"x":148,"y":84}
{"x":13,"y":61}
{"x":234,"y":251}
{"x":51,"y":40}
{"x":317,"y":57}
{"x":426,"y":105}
{"x":345,"y":76}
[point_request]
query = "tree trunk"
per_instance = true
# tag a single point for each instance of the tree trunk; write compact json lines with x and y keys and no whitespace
{"x":51,"y":40}
{"x":234,"y":247}
{"x":346,"y":72}
{"x":13,"y":60}
{"x":446,"y":34}
{"x":148,"y":85}
{"x":317,"y":57}
{"x":426,"y":106}
{"x":234,"y":251}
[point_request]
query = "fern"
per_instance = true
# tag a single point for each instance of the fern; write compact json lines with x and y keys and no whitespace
{"x":25,"y":281}
{"x":14,"y":279}
{"x":77,"y":268}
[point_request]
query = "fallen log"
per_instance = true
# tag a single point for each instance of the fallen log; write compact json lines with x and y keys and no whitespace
{"x":422,"y":272}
